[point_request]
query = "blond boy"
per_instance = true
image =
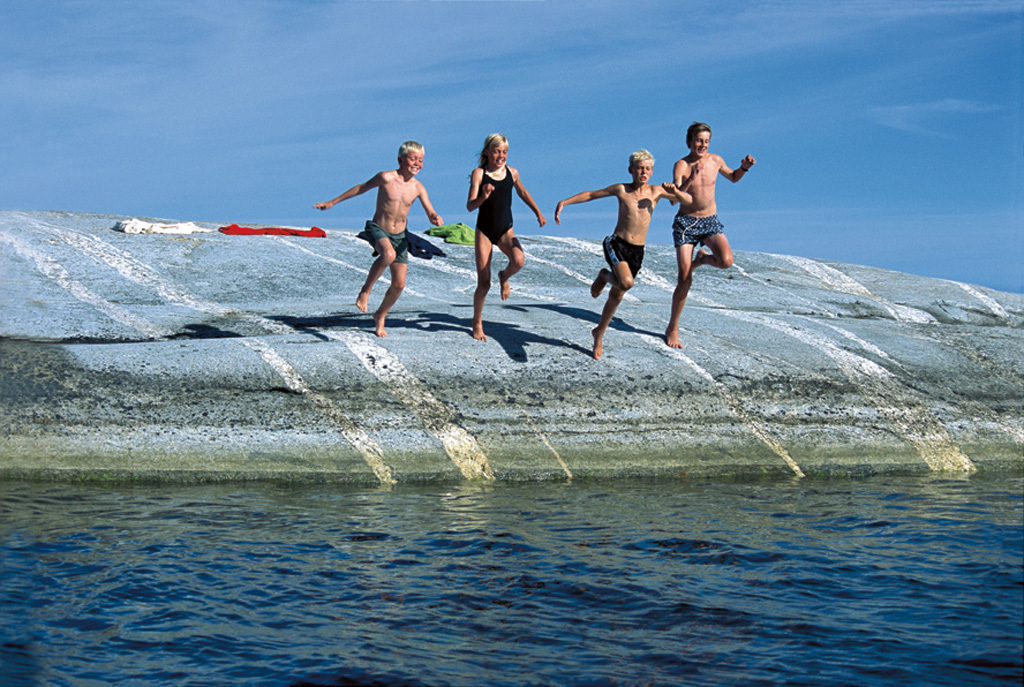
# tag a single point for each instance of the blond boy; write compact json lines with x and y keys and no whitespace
{"x":624,"y":249}
{"x":696,"y":223}
{"x":397,"y":190}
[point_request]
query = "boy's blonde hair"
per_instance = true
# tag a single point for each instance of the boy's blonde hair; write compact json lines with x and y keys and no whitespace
{"x":408,"y":147}
{"x":695,"y":129}
{"x":490,"y":142}
{"x":640,"y":156}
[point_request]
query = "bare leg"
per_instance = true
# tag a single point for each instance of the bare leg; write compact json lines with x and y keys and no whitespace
{"x":598,"y":286}
{"x":621,"y":280}
{"x":376,"y":269}
{"x":398,"y":271}
{"x":610,"y":306}
{"x":484,"y":249}
{"x":378,"y":321}
{"x":510,"y":246}
{"x":720,"y":255}
{"x":683,"y":283}
{"x":386,"y":256}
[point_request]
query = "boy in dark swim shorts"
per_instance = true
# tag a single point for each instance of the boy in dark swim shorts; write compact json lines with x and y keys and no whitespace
{"x":619,"y":250}
{"x":696,"y":223}
{"x":624,"y":250}
{"x":397,"y":190}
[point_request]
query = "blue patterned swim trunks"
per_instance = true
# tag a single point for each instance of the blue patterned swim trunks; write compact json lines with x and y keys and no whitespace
{"x":696,"y":230}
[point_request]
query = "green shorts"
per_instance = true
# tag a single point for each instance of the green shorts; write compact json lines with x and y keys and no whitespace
{"x":399,"y":241}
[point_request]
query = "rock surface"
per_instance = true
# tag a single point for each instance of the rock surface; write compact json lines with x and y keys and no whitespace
{"x":216,"y":357}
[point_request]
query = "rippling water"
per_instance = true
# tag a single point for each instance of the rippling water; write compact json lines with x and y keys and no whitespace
{"x":881,"y":581}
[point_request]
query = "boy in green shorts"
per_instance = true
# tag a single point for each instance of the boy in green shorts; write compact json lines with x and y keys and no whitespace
{"x":397,"y":190}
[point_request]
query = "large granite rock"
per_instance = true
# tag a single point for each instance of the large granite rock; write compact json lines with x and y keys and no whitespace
{"x":207,"y":356}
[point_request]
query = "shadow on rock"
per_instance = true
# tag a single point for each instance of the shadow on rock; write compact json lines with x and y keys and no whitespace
{"x":512,"y":338}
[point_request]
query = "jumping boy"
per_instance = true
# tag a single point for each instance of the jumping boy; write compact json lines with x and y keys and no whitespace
{"x":697,"y":223}
{"x":397,"y":190}
{"x":624,"y":249}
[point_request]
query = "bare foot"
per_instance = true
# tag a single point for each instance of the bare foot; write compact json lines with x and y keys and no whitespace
{"x":598,"y":345}
{"x":379,"y":321}
{"x":598,"y":286}
{"x":672,"y":339}
{"x":700,"y":258}
{"x":363,"y":300}
{"x":506,"y":288}
{"x":478,"y":331}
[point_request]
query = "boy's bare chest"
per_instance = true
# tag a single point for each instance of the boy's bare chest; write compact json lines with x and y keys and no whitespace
{"x":641,"y":203}
{"x":401,"y":192}
{"x":704,"y":183}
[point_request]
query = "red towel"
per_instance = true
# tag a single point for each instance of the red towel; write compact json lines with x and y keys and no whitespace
{"x":278,"y":231}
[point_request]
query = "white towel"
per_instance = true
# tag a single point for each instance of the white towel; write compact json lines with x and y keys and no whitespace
{"x":137,"y":226}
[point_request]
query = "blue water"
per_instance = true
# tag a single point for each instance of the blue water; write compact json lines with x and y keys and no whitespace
{"x":880,"y":581}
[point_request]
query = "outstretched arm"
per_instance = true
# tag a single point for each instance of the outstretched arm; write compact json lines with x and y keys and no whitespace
{"x":735,"y":175}
{"x":674,"y":194}
{"x":584,"y":197}
{"x":358,"y":189}
{"x":527,"y":198}
{"x":434,"y":218}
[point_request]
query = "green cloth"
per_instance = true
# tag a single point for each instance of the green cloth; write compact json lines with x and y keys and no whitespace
{"x":455,"y":233}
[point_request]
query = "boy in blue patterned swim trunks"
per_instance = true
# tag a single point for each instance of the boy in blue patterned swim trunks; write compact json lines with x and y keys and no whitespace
{"x":397,"y":190}
{"x":624,"y":250}
{"x":696,"y":223}
{"x":695,"y":230}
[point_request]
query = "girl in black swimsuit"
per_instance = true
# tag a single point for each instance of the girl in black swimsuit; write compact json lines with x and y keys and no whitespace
{"x":490,"y":192}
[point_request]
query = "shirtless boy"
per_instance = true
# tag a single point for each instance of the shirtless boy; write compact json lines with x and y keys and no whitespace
{"x":397,"y":190}
{"x":624,"y":249}
{"x":697,"y":223}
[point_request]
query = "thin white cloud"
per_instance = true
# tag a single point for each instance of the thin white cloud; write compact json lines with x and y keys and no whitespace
{"x":925,"y":118}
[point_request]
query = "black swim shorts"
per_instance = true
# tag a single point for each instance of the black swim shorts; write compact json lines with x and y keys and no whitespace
{"x":619,"y":250}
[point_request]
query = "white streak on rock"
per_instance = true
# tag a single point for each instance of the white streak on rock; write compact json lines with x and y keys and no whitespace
{"x":734,"y":404}
{"x":438,"y":418}
{"x":840,"y":281}
{"x":53,"y":270}
{"x":360,"y":440}
{"x":989,"y":302}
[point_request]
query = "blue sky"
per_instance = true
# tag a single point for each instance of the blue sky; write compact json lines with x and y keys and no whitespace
{"x":886,"y":133}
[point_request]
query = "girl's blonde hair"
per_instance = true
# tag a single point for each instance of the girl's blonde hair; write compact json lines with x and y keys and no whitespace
{"x":490,"y":142}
